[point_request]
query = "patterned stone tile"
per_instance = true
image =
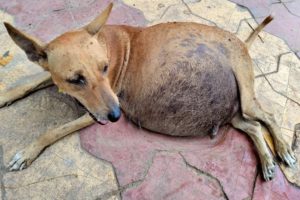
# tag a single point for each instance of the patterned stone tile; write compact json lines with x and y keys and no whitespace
{"x":65,"y":171}
{"x":259,"y":8}
{"x":62,"y":171}
{"x":138,"y":154}
{"x":32,"y":18}
{"x":293,"y":174}
{"x":285,"y":26}
{"x":224,"y":14}
{"x":154,"y":9}
{"x":291,"y":115}
{"x":51,"y":26}
{"x":277,"y":189}
{"x":276,"y":65}
{"x":60,"y":16}
{"x":180,"y":13}
{"x":191,"y":184}
{"x":221,"y":13}
{"x":274,"y":87}
{"x":278,"y":90}
{"x":287,"y":18}
{"x":294,"y":84}
{"x":260,"y":50}
{"x":19,"y":67}
{"x":121,"y":14}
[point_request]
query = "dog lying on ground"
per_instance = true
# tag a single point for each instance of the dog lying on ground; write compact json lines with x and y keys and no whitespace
{"x":181,"y":79}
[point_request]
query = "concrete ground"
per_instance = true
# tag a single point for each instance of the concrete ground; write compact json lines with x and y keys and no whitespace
{"x":121,"y":161}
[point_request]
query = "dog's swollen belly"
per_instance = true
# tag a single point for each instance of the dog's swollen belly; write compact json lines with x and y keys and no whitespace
{"x":183,"y":87}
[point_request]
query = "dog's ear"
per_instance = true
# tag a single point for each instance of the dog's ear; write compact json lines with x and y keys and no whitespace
{"x":95,"y":26}
{"x":33,"y":48}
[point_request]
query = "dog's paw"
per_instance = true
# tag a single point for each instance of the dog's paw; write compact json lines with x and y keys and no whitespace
{"x":22,"y":159}
{"x":268,"y":169}
{"x":286,"y":154}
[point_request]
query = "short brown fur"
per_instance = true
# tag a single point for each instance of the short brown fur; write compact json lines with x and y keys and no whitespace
{"x":178,"y":79}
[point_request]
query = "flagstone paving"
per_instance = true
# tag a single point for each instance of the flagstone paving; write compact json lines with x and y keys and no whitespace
{"x":134,"y":163}
{"x":64,"y":170}
{"x":287,"y":18}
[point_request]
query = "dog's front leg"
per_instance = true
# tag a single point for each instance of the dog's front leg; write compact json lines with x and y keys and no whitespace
{"x":28,"y":84}
{"x":25,"y":157}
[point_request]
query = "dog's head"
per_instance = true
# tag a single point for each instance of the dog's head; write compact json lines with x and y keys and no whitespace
{"x":79,"y":65}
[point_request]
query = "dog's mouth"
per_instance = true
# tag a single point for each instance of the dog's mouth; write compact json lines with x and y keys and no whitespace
{"x":99,"y":121}
{"x":102,"y":122}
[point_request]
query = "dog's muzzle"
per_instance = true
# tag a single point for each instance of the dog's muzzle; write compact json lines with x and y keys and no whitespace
{"x":114,"y":114}
{"x":99,"y":121}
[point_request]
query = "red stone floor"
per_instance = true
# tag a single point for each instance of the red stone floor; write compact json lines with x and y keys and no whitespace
{"x":47,"y":19}
{"x":153,"y":166}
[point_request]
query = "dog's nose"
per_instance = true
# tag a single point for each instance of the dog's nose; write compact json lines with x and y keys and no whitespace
{"x":115,"y":114}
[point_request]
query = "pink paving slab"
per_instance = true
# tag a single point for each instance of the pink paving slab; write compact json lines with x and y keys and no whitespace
{"x":179,"y":168}
{"x":48,"y":19}
{"x":169,"y":178}
{"x":278,"y":189}
{"x":153,"y":166}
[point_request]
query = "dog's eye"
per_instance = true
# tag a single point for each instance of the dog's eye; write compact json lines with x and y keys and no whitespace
{"x":77,"y":80}
{"x":105,"y":68}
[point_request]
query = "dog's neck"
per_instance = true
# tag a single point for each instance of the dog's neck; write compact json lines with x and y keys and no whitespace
{"x":118,"y":44}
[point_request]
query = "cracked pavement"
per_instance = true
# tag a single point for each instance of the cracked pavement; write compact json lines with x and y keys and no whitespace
{"x":287,"y":18}
{"x":121,"y":161}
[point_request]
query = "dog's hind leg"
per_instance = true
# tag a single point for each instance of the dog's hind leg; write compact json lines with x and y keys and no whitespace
{"x":27,"y":85}
{"x":251,"y":109}
{"x":253,"y":129}
{"x":283,"y":150}
{"x":25,"y":157}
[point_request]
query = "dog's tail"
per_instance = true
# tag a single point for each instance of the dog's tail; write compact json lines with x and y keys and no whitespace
{"x":256,"y":31}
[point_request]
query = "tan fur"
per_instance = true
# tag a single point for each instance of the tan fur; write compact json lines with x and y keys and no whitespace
{"x":175,"y":78}
{"x":254,"y":34}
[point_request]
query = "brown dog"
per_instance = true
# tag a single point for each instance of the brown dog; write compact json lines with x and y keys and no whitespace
{"x":179,"y":79}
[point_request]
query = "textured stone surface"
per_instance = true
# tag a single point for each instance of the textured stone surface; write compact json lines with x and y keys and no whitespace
{"x":286,"y":25}
{"x":136,"y":153}
{"x":19,"y":67}
{"x":293,"y":174}
{"x":294,"y":84}
{"x":224,"y":14}
{"x":164,"y":167}
{"x":153,"y":10}
{"x":287,"y":18}
{"x":276,"y":72}
{"x":293,"y":7}
{"x":276,"y":85}
{"x":50,"y":19}
{"x":191,"y":184}
{"x":62,"y":171}
{"x":277,"y":189}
